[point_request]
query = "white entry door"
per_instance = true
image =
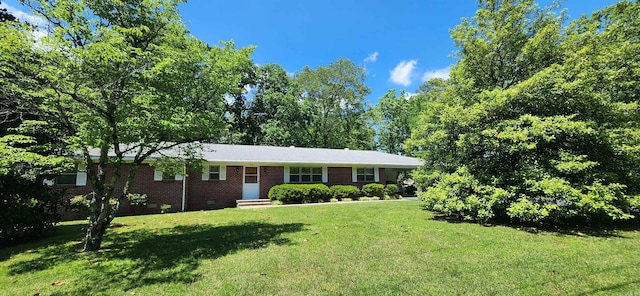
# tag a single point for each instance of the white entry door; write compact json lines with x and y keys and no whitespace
{"x":251,"y":183}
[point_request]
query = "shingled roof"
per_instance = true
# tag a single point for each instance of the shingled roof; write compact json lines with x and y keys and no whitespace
{"x":272,"y":155}
{"x":298,"y":155}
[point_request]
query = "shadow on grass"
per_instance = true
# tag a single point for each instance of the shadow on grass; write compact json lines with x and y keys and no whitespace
{"x":144,"y":257}
{"x":604,"y":229}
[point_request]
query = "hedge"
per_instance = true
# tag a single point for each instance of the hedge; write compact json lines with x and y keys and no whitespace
{"x":373,"y":189}
{"x":391,"y":190}
{"x":299,"y":193}
{"x":345,"y":191}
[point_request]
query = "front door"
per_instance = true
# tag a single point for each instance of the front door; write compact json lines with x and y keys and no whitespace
{"x":251,"y":183}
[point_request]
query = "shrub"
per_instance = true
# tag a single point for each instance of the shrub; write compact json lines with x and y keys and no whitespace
{"x":391,"y":190}
{"x":165,"y":208}
{"x":364,"y":198}
{"x":137,"y":199}
{"x":28,"y":209}
{"x":79,"y":202}
{"x":345,"y":191}
{"x":299,"y":193}
{"x":333,"y":200}
{"x":346,"y":199}
{"x":410,"y":190}
{"x":373,"y":189}
{"x":460,"y":195}
{"x":276,"y":202}
{"x":375,"y":198}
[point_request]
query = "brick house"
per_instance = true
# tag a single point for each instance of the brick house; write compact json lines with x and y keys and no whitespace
{"x":237,"y":172}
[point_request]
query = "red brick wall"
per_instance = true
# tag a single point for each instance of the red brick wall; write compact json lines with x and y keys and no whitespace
{"x":274,"y":175}
{"x":158,"y":192}
{"x":342,"y":176}
{"x":208,"y":194}
{"x":214,"y":194}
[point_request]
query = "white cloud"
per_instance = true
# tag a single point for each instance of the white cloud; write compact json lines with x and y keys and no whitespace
{"x":403,"y":72}
{"x":438,"y":73}
{"x":371,"y":58}
{"x":35,"y":20}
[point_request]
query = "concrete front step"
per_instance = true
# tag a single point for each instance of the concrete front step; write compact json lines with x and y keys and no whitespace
{"x":245,"y":203}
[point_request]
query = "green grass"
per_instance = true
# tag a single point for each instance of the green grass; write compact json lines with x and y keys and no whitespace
{"x":373,"y":248}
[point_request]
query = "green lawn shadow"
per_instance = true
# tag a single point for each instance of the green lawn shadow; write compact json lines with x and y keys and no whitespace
{"x":144,"y":257}
{"x":612,"y":229}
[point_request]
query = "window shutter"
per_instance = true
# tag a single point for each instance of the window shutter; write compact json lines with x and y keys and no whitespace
{"x":205,"y":172}
{"x":325,"y":174}
{"x":223,"y":172}
{"x":376,"y":174}
{"x":354,"y":174}
{"x":157,"y":175}
{"x":287,"y":171}
{"x":81,"y":177}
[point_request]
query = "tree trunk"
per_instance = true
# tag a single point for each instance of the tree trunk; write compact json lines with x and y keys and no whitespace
{"x":95,"y":231}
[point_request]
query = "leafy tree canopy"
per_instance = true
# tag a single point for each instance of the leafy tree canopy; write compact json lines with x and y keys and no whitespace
{"x":126,"y":79}
{"x":539,"y":122}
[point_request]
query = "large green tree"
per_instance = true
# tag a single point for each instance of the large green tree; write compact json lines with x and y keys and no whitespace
{"x":324,"y":108}
{"x":396,"y":115}
{"x":531,"y":138}
{"x":28,"y":208}
{"x":124,"y":80}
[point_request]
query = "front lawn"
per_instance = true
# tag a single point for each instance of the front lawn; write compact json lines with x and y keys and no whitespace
{"x":368,"y":248}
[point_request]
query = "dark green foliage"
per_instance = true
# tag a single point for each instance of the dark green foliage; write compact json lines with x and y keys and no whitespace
{"x":548,"y":143}
{"x":391,"y":190}
{"x":373,"y":189}
{"x":27,"y":209}
{"x":299,"y":193}
{"x":345,"y":191}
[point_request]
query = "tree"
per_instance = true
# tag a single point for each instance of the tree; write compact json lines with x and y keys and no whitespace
{"x":557,"y":143}
{"x":324,"y":109}
{"x":506,"y":42}
{"x":28,"y":207}
{"x":396,"y":115}
{"x":5,"y":16}
{"x":123,"y":81}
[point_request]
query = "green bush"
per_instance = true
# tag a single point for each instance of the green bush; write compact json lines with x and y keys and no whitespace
{"x":165,"y":208}
{"x":364,"y":198}
{"x":460,"y":195}
{"x":391,"y":190}
{"x":373,"y":189}
{"x":138,"y":199}
{"x":28,"y":209}
{"x":346,"y":199}
{"x":299,"y":193}
{"x":333,"y":200}
{"x":345,"y":191}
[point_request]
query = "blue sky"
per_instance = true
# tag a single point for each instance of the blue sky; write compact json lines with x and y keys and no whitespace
{"x":400,"y":42}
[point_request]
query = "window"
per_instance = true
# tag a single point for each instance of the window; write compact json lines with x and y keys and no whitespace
{"x":214,"y":172}
{"x":305,"y":175}
{"x":365,"y":175}
{"x":168,"y":177}
{"x":67,"y":178}
{"x":250,"y":175}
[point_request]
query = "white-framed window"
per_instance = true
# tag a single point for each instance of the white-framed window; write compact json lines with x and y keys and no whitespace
{"x":160,"y":176}
{"x":305,"y":174}
{"x":76,"y":176}
{"x":365,"y":175}
{"x":167,"y":177}
{"x":67,"y":178}
{"x":214,"y":172}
